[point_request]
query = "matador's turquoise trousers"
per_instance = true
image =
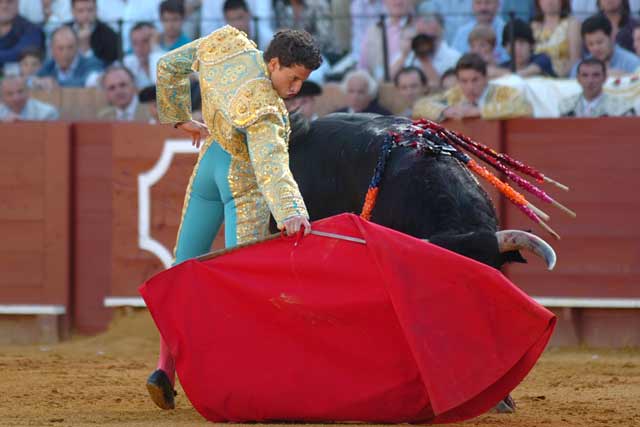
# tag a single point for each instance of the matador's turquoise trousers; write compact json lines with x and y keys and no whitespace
{"x":221,"y":189}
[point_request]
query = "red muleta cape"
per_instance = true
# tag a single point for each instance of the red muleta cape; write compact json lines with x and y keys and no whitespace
{"x":395,"y":330}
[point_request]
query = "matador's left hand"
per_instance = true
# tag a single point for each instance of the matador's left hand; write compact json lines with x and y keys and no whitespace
{"x":198,"y":131}
{"x":292,"y":225}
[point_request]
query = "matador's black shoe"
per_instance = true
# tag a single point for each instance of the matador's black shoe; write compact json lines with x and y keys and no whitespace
{"x":161,"y":390}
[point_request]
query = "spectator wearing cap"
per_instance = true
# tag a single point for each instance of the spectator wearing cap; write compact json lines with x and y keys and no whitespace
{"x":120,"y":90}
{"x":95,"y":38}
{"x":473,"y":96}
{"x":527,"y":63}
{"x":66,"y":67}
{"x":361,"y":91}
{"x":411,"y":84}
{"x":596,"y":34}
{"x":485,"y":13}
{"x":144,"y":59}
{"x":147,"y":97}
{"x":305,"y":101}
{"x":427,"y":50}
{"x":16,"y":33}
{"x":17,"y":105}
{"x":172,"y":18}
{"x":593,"y":102}
{"x":618,"y":13}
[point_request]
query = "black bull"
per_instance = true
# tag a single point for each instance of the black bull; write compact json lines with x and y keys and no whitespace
{"x":427,"y":196}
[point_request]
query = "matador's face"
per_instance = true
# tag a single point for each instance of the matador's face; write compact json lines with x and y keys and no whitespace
{"x":287,"y":81}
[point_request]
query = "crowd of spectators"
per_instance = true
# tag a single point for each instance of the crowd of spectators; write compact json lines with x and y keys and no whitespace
{"x":446,"y":58}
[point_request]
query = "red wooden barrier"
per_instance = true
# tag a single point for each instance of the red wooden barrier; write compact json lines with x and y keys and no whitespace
{"x":112,"y":252}
{"x":489,"y":133}
{"x":596,"y":278}
{"x":599,"y":254}
{"x":34,"y":214}
{"x":92,"y":178}
{"x":34,"y":221}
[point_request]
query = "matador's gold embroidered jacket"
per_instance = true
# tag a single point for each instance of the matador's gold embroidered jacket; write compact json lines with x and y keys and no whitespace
{"x":241,"y":108}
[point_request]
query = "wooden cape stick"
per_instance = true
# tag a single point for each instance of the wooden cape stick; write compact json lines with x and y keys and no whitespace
{"x":219,"y":252}
{"x":224,"y":251}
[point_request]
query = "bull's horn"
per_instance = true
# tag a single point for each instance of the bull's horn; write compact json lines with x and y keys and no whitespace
{"x":512,"y":240}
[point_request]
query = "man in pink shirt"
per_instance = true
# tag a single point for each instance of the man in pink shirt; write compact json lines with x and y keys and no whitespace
{"x":398,"y":22}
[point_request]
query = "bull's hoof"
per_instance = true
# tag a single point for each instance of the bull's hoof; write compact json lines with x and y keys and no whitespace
{"x":506,"y":406}
{"x":161,"y":390}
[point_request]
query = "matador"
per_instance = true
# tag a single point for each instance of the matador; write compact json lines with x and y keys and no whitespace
{"x":242,"y":173}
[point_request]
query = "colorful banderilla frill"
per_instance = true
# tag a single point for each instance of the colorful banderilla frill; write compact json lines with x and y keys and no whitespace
{"x":429,"y":137}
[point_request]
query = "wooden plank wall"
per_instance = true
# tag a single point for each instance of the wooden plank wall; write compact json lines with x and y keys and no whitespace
{"x":490,"y":134}
{"x":35,"y":213}
{"x":599,"y":254}
{"x":92,"y":213}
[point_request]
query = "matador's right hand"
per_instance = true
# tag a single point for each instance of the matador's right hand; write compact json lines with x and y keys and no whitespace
{"x":292,"y":225}
{"x":196,"y":129}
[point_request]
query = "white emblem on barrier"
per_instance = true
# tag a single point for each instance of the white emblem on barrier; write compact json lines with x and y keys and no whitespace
{"x":145,"y":181}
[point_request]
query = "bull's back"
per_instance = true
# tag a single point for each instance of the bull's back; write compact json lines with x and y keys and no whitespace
{"x":420,"y":194}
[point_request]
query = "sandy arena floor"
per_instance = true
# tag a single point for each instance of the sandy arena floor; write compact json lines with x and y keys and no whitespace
{"x":100,"y":381}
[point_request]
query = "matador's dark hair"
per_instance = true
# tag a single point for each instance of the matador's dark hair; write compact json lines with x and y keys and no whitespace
{"x":294,"y":47}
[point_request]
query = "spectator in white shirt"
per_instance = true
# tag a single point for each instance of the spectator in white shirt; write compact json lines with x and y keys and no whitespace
{"x":144,"y":59}
{"x":47,"y":14}
{"x":130,"y":12}
{"x":593,"y":102}
{"x":17,"y":105}
{"x":427,"y":50}
{"x":399,"y":25}
{"x":364,"y":13}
